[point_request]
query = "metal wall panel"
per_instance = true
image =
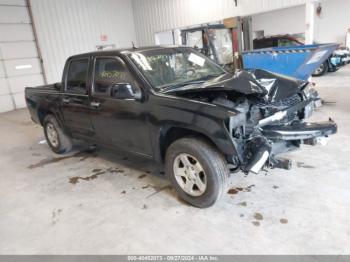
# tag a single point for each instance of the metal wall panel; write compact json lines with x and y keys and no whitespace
{"x":249,"y":7}
{"x":2,"y":72}
{"x":288,"y":20}
{"x":6,"y":103}
{"x":19,"y":100}
{"x":18,"y":83}
{"x":12,"y":50}
{"x":152,"y":16}
{"x":16,"y":32}
{"x":68,"y":27}
{"x":4,"y":89}
{"x":19,"y":63}
{"x":13,"y":2}
{"x":22,"y":67}
{"x":13,"y":14}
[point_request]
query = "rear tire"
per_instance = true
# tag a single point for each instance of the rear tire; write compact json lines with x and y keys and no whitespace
{"x":207,"y":171}
{"x":58,"y":141}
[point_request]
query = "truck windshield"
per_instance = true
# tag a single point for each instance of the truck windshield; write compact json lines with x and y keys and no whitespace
{"x":169,"y":68}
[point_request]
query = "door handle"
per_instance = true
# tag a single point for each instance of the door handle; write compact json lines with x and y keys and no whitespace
{"x":65,"y":100}
{"x":95,"y":104}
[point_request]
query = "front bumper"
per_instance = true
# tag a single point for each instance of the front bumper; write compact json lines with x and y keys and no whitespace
{"x":300,"y":131}
{"x":279,"y":139}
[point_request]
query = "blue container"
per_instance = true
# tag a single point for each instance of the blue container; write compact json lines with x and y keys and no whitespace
{"x":295,"y":61}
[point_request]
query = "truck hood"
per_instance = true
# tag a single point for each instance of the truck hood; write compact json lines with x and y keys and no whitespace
{"x":271,"y":86}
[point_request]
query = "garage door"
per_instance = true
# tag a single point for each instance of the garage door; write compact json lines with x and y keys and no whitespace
{"x":19,"y":62}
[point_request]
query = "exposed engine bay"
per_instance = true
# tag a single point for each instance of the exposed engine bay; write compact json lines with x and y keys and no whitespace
{"x":268,"y":115}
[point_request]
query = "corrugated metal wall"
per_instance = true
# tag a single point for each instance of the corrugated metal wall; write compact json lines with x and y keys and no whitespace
{"x":68,"y":27}
{"x":288,"y":20}
{"x":249,"y":7}
{"x":152,"y":16}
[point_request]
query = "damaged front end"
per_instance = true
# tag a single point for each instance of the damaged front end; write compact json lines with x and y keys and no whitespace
{"x":268,"y":115}
{"x":270,"y":126}
{"x":262,"y":147}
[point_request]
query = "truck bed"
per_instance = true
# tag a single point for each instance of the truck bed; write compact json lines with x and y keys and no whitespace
{"x":41,"y":98}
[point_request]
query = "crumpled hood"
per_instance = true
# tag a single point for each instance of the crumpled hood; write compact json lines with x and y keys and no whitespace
{"x":272,"y":86}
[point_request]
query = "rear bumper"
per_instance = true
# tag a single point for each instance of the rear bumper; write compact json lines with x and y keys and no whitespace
{"x":300,"y":131}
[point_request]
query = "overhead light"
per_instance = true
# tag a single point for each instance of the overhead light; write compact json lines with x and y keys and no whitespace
{"x":19,"y":67}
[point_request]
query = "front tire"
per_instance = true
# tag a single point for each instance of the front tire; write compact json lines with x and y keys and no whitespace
{"x":58,"y":141}
{"x":197,"y":170}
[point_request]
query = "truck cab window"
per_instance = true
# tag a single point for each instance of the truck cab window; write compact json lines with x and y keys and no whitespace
{"x":77,"y":76}
{"x":108,"y":72}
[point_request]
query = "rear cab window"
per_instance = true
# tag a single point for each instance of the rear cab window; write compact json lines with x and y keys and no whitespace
{"x":77,"y":76}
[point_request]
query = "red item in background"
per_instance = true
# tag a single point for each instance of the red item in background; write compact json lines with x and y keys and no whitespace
{"x":104,"y":38}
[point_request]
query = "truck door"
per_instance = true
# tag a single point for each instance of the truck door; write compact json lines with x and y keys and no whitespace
{"x":75,"y":101}
{"x":118,"y":121}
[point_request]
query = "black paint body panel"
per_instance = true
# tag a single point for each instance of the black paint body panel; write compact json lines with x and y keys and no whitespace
{"x":133,"y":125}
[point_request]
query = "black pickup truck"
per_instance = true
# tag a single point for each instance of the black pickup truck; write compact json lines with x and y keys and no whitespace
{"x":178,"y":107}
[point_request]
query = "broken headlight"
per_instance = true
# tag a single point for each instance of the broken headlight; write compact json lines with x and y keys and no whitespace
{"x":309,"y":109}
{"x":307,"y":92}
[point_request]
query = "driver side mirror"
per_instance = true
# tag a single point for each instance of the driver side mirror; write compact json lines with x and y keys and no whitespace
{"x":124,"y":91}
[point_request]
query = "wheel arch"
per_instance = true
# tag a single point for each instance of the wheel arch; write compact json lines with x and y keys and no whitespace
{"x":170,"y":134}
{"x":42,"y":113}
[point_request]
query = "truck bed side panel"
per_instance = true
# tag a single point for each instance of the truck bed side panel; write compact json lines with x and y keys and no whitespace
{"x":41,"y":100}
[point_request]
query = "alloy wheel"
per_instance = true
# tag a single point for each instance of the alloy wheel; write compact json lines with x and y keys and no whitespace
{"x":190,"y":175}
{"x":52,"y":134}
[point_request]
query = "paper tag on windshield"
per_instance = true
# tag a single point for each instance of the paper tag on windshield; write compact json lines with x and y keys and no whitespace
{"x":196,"y":59}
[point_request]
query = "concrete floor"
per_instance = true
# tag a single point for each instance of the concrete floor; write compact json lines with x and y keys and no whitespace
{"x":110,"y":203}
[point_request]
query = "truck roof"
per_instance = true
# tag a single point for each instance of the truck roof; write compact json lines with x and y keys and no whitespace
{"x":122,"y":51}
